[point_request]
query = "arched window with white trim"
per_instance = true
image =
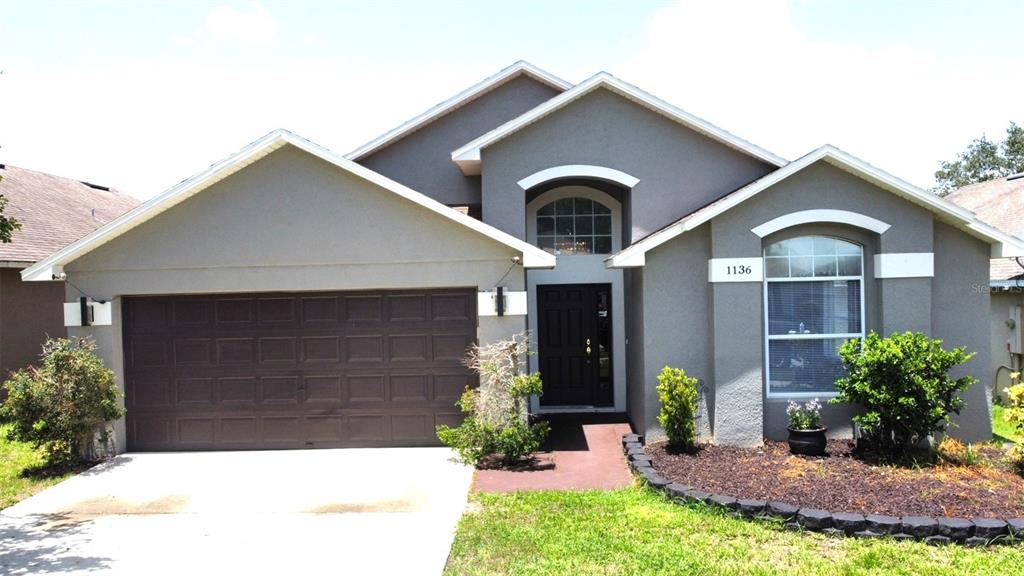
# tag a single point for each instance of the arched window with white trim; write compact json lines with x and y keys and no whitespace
{"x":575,"y":226}
{"x":814,"y":301}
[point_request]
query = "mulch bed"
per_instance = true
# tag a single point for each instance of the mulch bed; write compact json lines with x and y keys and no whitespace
{"x":843,"y":482}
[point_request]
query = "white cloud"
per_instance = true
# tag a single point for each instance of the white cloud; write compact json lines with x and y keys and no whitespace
{"x":229,"y":24}
{"x":747,"y":66}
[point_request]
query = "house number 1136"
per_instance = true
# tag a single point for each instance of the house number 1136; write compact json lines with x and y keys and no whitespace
{"x":741,"y":269}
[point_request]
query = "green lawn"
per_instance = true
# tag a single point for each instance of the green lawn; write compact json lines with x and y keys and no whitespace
{"x":638,"y":531}
{"x":15,"y":459}
{"x":1002,"y":431}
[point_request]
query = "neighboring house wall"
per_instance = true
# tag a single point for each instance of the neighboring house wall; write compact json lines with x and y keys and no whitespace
{"x":290,"y":222}
{"x":729,"y":350}
{"x":422,"y":160}
{"x":679,"y":169}
{"x":29,"y":313}
{"x":1002,"y":308}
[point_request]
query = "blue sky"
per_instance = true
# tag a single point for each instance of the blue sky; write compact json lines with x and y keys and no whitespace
{"x":141,"y":94}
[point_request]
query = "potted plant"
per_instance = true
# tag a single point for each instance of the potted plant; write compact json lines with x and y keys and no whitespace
{"x":806,"y":434}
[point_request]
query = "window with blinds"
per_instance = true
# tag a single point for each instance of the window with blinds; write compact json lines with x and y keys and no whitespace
{"x":814,"y":301}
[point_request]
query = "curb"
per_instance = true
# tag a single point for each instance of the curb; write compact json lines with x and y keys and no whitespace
{"x":934,"y":531}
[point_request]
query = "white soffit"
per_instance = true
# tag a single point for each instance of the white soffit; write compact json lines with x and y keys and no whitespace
{"x":468,"y":156}
{"x":43,"y":270}
{"x":1003,"y":245}
{"x":461,"y":99}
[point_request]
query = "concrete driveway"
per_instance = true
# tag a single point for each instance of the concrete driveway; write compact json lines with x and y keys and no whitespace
{"x":390,"y":511}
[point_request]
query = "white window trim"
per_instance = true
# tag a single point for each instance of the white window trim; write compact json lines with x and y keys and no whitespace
{"x":578,"y":171}
{"x":824,"y":215}
{"x":770,"y":337}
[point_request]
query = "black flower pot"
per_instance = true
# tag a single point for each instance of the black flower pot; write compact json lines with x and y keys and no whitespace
{"x":807,"y":442}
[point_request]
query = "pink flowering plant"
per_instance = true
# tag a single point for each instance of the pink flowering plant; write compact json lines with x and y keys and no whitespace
{"x":806,"y":416}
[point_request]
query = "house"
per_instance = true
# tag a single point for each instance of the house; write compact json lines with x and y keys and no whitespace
{"x":290,"y":297}
{"x":53,"y":212}
{"x":1000,"y":202}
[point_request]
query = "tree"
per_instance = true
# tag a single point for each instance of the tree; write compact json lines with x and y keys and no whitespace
{"x":983,"y":160}
{"x":7,"y":224}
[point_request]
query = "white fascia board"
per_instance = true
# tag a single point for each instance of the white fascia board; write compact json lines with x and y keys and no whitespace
{"x":532,"y":256}
{"x":467,"y":157}
{"x":461,"y":99}
{"x":1002,"y":244}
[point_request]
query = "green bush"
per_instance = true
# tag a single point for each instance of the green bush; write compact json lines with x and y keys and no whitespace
{"x":63,"y":406}
{"x":497,"y":421}
{"x":678,"y":395}
{"x":903,"y":384}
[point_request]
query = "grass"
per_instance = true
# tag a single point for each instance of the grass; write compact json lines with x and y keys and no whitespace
{"x":1003,"y":431}
{"x":638,"y":531}
{"x":22,"y":471}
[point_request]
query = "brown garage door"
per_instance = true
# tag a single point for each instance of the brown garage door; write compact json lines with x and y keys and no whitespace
{"x":251,"y":371}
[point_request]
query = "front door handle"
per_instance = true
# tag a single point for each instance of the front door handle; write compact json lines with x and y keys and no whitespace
{"x":588,"y":348}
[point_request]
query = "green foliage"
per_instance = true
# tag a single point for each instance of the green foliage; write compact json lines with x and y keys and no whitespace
{"x":903,"y":384}
{"x":63,"y":406}
{"x":8,"y":225}
{"x":1014,"y":412}
{"x":497,"y":421}
{"x":678,"y":395}
{"x":983,"y":160}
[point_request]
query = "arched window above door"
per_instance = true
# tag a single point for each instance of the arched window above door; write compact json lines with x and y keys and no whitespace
{"x":575,"y":226}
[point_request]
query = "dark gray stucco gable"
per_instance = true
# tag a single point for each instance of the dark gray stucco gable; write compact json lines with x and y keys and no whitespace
{"x":679,"y":169}
{"x":422,"y":160}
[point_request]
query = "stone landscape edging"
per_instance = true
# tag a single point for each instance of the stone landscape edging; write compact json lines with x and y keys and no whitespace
{"x":934,"y":531}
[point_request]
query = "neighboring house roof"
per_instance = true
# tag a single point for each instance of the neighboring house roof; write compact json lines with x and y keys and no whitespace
{"x":468,"y":95}
{"x":53,"y":212}
{"x":999,"y":202}
{"x":533,"y":257}
{"x":1002,"y":244}
{"x":468,"y":156}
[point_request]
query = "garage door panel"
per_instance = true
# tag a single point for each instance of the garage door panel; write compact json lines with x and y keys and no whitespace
{"x":295,"y":370}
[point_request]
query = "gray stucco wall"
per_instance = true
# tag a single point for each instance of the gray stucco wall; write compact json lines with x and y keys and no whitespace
{"x":290,"y":222}
{"x":961,"y":317}
{"x":422,"y":160}
{"x":29,"y":312}
{"x":679,"y":170}
{"x":636,"y":388}
{"x":677,"y":321}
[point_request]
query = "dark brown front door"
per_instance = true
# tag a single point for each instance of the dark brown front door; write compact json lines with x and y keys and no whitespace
{"x":294,"y":370}
{"x":575,"y":344}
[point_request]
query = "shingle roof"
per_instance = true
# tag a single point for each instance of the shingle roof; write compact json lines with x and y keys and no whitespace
{"x":998,"y":202}
{"x":53,"y":211}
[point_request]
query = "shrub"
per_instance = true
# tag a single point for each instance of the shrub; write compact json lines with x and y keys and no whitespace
{"x":497,"y":420}
{"x":806,"y":416}
{"x":1014,"y":414}
{"x":955,"y":452}
{"x":678,"y":395}
{"x":903,"y":384}
{"x":63,"y":406}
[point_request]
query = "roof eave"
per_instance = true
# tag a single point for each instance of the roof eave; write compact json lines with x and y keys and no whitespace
{"x":464,"y":97}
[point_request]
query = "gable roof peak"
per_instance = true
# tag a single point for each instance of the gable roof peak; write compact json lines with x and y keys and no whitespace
{"x":467,"y":157}
{"x":510,"y":72}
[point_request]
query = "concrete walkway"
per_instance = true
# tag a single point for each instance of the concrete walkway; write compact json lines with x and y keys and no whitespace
{"x":294,"y":512}
{"x":584,"y":453}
